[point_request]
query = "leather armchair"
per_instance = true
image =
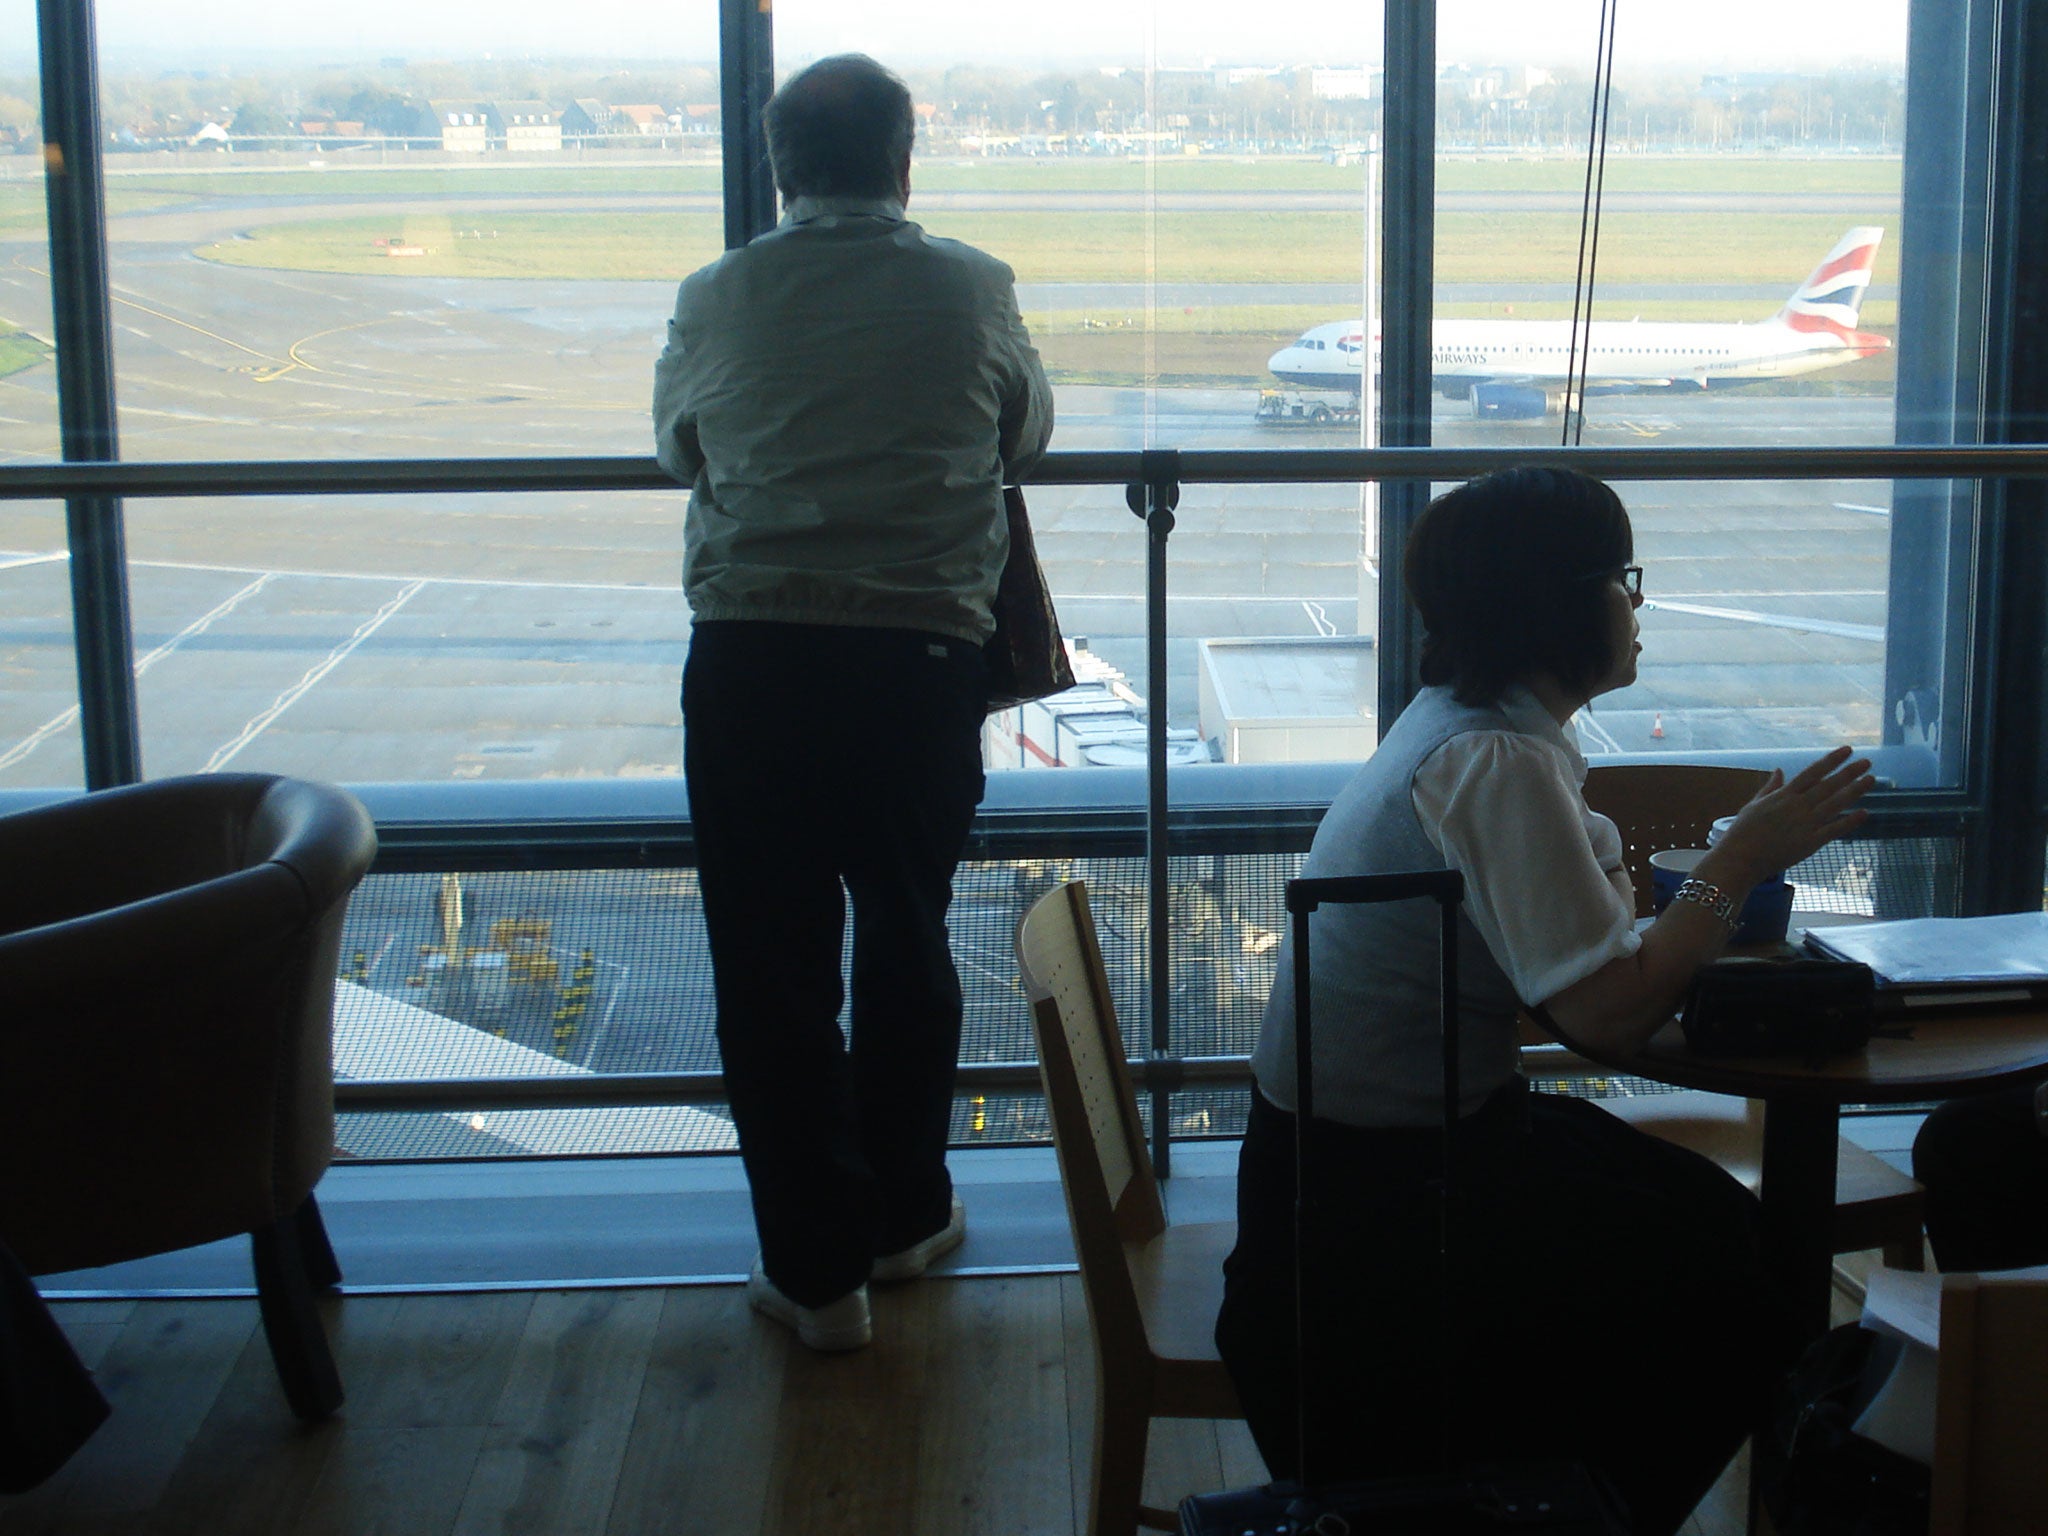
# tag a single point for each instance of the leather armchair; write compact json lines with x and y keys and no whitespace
{"x":167,"y":963}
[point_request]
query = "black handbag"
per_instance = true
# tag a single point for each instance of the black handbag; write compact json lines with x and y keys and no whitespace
{"x":1545,"y":1498}
{"x":1811,"y":1009}
{"x":1816,"y":1475}
{"x":1026,"y":658}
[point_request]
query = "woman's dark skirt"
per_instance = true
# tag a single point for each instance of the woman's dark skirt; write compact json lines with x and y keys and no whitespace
{"x":1605,"y":1302}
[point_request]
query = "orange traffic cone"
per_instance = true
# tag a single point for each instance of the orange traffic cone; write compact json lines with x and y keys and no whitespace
{"x":1657,"y":727}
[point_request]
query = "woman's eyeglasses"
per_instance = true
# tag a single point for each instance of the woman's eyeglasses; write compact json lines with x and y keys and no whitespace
{"x":1630,"y":577}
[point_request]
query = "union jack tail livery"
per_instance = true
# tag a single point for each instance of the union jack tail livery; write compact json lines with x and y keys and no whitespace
{"x":1830,"y":299}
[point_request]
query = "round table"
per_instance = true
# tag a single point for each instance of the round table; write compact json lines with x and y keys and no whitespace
{"x":1947,"y":1054}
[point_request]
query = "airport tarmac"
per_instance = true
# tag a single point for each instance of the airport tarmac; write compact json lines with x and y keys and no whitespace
{"x":523,"y":636}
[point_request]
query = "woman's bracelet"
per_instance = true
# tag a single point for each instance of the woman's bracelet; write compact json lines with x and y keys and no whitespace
{"x":1712,"y":898}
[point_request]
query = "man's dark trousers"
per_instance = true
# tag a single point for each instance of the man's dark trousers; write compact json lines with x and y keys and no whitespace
{"x":818,"y":755}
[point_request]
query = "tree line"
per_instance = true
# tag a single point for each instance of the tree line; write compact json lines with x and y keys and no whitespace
{"x":1849,"y":108}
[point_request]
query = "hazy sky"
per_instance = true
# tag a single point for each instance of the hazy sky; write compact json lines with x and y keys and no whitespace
{"x":1754,"y":34}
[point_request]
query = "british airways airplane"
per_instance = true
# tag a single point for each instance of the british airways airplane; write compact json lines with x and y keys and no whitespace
{"x":1522,"y":368}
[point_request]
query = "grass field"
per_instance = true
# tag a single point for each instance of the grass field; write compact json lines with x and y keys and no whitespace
{"x":24,"y":214}
{"x":1208,"y":344}
{"x":19,"y":350}
{"x":1046,"y":247}
{"x":1876,"y":176}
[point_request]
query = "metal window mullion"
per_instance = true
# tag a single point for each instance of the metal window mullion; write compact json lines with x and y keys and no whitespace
{"x":82,"y":309}
{"x":1408,"y":226}
{"x":746,"y":79}
{"x":2004,"y":860}
{"x":1153,"y":497}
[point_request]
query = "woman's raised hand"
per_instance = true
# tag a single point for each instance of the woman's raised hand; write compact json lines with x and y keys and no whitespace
{"x":1789,"y":819}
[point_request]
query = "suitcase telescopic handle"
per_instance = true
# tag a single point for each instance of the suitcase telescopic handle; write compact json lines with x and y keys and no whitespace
{"x":1446,"y":887}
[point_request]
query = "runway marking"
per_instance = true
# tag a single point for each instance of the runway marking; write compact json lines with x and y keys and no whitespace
{"x":1318,"y":618}
{"x":21,"y":561}
{"x":284,"y":701}
{"x":436,"y":581}
{"x":604,"y":1025}
{"x":1594,"y":731}
{"x":49,"y":728}
{"x":1857,"y":506}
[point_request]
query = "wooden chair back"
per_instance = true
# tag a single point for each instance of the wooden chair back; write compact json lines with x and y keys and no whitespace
{"x":1991,"y":1405}
{"x":1666,"y":805}
{"x":1112,"y":1196}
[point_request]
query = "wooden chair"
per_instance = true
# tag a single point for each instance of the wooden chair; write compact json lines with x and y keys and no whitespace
{"x":1673,"y":805}
{"x":1153,"y":1290}
{"x":1990,"y":1405}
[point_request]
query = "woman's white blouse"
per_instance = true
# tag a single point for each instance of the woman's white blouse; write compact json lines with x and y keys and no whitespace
{"x":1545,"y":882}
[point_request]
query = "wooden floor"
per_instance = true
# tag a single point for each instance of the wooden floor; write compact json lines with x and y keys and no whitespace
{"x":628,"y":1412}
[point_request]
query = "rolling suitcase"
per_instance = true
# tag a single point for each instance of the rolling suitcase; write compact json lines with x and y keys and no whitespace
{"x":1455,"y":1498}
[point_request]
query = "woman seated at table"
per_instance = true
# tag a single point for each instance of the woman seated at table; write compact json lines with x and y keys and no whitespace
{"x":1606,"y":1302}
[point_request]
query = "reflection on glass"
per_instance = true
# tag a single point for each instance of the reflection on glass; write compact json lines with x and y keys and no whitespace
{"x":40,"y":744}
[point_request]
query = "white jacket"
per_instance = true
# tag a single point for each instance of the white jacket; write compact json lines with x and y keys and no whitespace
{"x":846,"y":397}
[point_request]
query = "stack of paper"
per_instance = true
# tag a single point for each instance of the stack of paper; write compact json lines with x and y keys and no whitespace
{"x":1995,"y":959}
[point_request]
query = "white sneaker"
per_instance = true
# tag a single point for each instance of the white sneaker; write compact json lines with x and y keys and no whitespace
{"x":841,"y":1324}
{"x":911,"y":1262}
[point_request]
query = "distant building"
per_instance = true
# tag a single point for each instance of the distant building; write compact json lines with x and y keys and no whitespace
{"x":1344,"y":84}
{"x":524,"y":127}
{"x":587,"y":115}
{"x":1492,"y":84}
{"x":699,"y":117}
{"x":464,"y":126}
{"x":641,"y":117}
{"x":210,"y":136}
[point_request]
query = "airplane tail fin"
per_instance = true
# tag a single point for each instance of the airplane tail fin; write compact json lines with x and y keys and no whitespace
{"x":1831,"y":298}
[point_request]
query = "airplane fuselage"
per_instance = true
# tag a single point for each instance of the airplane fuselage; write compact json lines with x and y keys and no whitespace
{"x":1621,"y":355}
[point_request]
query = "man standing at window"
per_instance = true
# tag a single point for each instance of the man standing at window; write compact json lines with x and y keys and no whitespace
{"x":846,"y":397}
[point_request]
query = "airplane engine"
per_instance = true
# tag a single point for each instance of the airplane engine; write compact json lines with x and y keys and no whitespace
{"x":1510,"y":402}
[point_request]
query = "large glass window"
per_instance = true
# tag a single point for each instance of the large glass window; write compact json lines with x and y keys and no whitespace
{"x":39,"y":732}
{"x":1182,"y":192}
{"x":416,"y":235}
{"x":28,"y":375}
{"x":1739,"y":287}
{"x":404,"y":638}
{"x":407,"y":233}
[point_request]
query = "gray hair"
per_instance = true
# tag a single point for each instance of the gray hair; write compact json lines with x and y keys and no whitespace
{"x":841,"y":128}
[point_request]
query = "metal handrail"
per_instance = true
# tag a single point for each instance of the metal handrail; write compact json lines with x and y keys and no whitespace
{"x":1278,"y":466}
{"x":658,"y":1089}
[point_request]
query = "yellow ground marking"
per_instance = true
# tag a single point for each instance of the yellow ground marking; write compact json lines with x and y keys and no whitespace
{"x":226,"y":341}
{"x":278,"y":368}
{"x":299,"y":362}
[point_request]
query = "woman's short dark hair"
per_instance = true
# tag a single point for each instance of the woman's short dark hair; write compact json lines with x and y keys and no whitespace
{"x":841,"y":128}
{"x":1509,"y":573}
